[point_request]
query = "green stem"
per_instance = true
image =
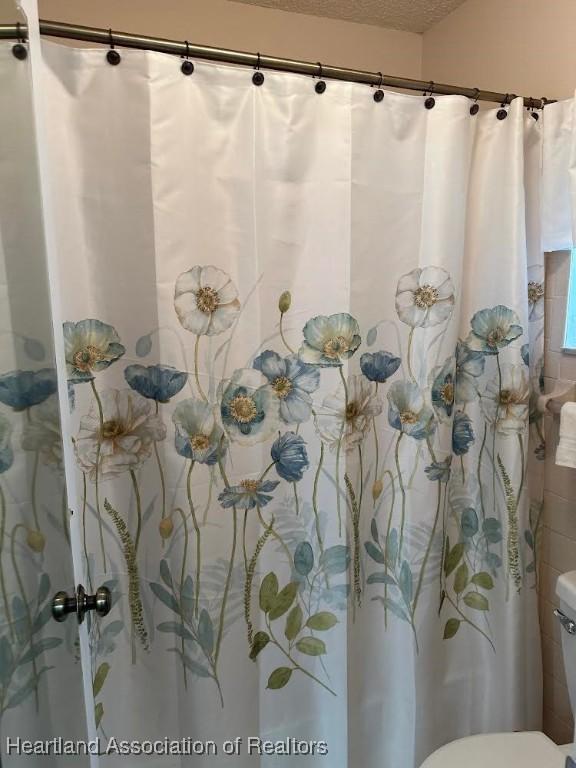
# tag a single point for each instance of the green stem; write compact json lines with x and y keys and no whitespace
{"x":84,"y":544}
{"x":467,"y":620}
{"x":96,"y":480}
{"x":361,"y":494}
{"x":296,"y":502}
{"x":138,"y":510}
{"x":244,"y":550}
{"x":197,"y":532}
{"x":428,"y":549}
{"x":339,"y":448}
{"x":182,"y":577}
{"x":196,"y":373}
{"x":496,"y":420}
{"x":523,"y":469}
{"x":409,"y":355}
{"x":388,"y":528}
{"x":403,"y":493}
{"x":288,"y":347}
{"x":230,"y":567}
{"x":22,"y":591}
{"x":315,"y":498}
{"x":160,"y":472}
{"x":2,"y":580}
{"x":274,"y":534}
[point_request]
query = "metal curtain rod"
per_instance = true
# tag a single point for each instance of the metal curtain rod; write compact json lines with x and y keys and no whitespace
{"x":142,"y":42}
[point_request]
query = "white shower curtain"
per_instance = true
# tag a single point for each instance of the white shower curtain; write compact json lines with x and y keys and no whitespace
{"x":297,"y":340}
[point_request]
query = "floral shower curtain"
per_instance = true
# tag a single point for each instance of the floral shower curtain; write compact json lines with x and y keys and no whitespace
{"x":301,"y":331}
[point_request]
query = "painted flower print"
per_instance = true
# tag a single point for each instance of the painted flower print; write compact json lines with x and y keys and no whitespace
{"x":439,"y":470}
{"x":156,"y":382}
{"x":290,"y":457}
{"x":535,"y":292}
{"x":125,"y":438}
{"x":525,"y":354}
{"x":292,"y":382}
{"x":425,"y":297}
{"x":90,"y":346}
{"x":329,"y":340}
{"x":505,"y":401}
{"x":442,"y":389}
{"x":6,"y":453}
{"x":43,"y":433}
{"x":379,"y":366}
{"x":408,"y":412}
{"x":249,"y":408}
{"x":462,"y":433}
{"x":337,"y":420}
{"x":206,"y":300}
{"x":493,"y":329}
{"x":248,"y":494}
{"x":469,"y":367}
{"x":23,"y":389}
{"x":198,"y":435}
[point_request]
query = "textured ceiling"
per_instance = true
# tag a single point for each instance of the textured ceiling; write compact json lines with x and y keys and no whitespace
{"x":410,"y":15}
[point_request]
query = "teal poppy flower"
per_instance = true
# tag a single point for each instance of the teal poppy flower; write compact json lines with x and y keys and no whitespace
{"x":379,"y":366}
{"x":462,"y":433}
{"x":248,"y":407}
{"x":408,"y":412}
{"x":6,"y":453}
{"x":442,"y":389}
{"x":329,"y":340}
{"x":292,"y":382}
{"x":248,"y":494}
{"x":469,"y":367}
{"x":290,"y":457}
{"x":90,"y":346}
{"x":198,"y":436}
{"x":23,"y":389}
{"x":493,"y":329}
{"x":156,"y":382}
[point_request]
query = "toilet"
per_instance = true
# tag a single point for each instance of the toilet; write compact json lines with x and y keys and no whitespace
{"x":528,"y":749}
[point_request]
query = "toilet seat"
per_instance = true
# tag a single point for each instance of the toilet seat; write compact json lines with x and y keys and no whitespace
{"x":499,"y":750}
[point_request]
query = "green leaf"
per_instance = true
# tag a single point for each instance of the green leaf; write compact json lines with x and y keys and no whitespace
{"x":477,"y":601}
{"x":42,"y":618}
{"x":279,"y":678}
{"x":312,"y":646}
{"x":492,"y":528}
{"x":293,"y":623}
{"x":206,"y":632}
{"x":371,"y":336}
{"x":268,"y":591}
{"x":260,"y":641}
{"x":99,"y":712}
{"x":380,"y":577}
{"x":452,"y":626}
{"x":461,"y":578}
{"x":483,"y":580}
{"x":335,"y":559}
{"x":6,"y":661}
{"x":20,"y":619}
{"x":304,"y":558}
{"x":165,"y":574}
{"x":193,"y":666}
{"x":188,"y":599}
{"x":43,"y":588}
{"x":529,"y":538}
{"x":173,"y":627}
{"x":393,"y":607}
{"x":392,"y":548}
{"x":374,"y":530}
{"x":322,"y":621}
{"x":469,"y":523}
{"x":165,"y":597}
{"x":100,"y":678}
{"x":405,"y":582}
{"x":376,"y":554}
{"x":453,"y":557}
{"x":283,"y":600}
{"x":44,"y":644}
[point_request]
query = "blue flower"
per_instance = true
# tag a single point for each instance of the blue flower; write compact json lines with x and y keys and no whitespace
{"x":249,"y":494}
{"x":442,"y":389}
{"x":525,"y":353}
{"x":198,"y":436}
{"x":290,"y":456}
{"x":469,"y":366}
{"x":156,"y":382}
{"x":23,"y":389}
{"x":439,"y":470}
{"x":6,"y":454}
{"x":379,"y":366}
{"x":90,"y":346}
{"x":249,"y":407}
{"x":493,"y":329}
{"x":462,"y":433}
{"x":408,"y":412}
{"x":329,"y":340}
{"x":292,"y":382}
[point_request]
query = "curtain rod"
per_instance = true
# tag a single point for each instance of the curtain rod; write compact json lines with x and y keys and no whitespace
{"x":142,"y":42}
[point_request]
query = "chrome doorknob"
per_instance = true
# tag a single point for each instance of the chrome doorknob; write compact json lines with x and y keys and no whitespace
{"x":62,"y":605}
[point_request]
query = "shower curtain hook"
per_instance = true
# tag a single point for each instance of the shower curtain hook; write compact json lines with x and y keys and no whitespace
{"x":502,"y":113}
{"x":112,"y":56}
{"x":320,"y":86}
{"x":474,"y":109}
{"x":430,"y":101}
{"x":379,"y":93}
{"x":531,"y":109}
{"x":258,"y":77}
{"x":187,"y":67}
{"x":19,"y":50}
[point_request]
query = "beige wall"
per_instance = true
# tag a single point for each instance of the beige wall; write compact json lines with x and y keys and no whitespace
{"x":245,"y":27}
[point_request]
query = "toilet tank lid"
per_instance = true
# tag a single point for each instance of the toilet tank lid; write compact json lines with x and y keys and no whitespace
{"x":566,"y":588}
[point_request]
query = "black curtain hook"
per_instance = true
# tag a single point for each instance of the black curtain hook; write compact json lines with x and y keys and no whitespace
{"x":430,"y":101}
{"x":502,"y":113}
{"x":258,"y":77}
{"x":474,"y":109}
{"x":379,"y":93}
{"x":320,"y":86}
{"x":187,"y":67}
{"x":19,"y":50}
{"x":112,"y":55}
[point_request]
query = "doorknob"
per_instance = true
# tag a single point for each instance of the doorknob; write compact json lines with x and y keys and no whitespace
{"x":62,"y":605}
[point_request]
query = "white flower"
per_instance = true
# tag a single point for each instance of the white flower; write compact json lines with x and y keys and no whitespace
{"x":125,"y":437}
{"x":363,"y":405}
{"x":425,"y":297}
{"x":506,"y":402}
{"x":206,"y":300}
{"x":536,"y":292}
{"x":43,"y":433}
{"x":249,"y":408}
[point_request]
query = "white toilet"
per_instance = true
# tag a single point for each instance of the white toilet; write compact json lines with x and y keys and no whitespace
{"x":522,"y":750}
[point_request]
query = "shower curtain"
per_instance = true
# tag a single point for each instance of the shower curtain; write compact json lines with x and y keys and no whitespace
{"x":301,"y":334}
